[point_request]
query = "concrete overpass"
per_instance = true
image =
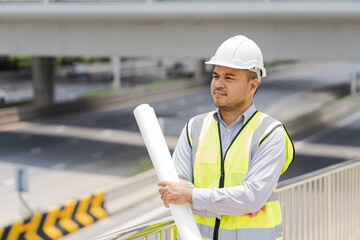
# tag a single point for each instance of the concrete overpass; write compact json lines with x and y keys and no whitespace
{"x":283,"y":30}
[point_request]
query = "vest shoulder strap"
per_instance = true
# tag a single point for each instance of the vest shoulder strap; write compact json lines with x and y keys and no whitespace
{"x":198,"y":121}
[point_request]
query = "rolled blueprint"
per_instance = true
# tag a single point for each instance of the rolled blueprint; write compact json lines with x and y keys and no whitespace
{"x":165,"y":168}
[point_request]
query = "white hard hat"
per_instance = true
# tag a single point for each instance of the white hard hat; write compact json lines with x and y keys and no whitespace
{"x":240,"y":52}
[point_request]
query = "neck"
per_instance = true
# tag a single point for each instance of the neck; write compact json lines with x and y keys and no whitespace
{"x":230,"y":116}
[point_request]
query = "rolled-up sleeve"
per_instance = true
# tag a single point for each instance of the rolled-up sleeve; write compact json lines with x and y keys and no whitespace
{"x":262,"y":176}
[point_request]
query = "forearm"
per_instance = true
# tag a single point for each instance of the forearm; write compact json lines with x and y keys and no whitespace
{"x":234,"y":201}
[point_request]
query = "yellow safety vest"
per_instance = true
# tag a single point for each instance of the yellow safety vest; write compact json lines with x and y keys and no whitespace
{"x":212,"y":170}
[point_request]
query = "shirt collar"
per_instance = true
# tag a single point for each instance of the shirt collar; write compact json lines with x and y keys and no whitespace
{"x":244,"y":117}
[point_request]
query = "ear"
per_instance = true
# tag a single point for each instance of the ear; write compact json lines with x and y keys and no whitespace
{"x":253,"y":85}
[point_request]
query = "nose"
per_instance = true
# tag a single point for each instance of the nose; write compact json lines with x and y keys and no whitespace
{"x":218,"y":82}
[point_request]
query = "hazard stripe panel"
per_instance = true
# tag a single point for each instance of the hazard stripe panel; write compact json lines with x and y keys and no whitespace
{"x":58,"y":221}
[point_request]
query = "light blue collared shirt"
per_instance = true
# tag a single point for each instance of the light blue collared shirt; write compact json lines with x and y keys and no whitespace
{"x":264,"y":171}
{"x":229,"y":132}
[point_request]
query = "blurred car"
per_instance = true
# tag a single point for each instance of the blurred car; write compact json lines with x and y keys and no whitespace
{"x":78,"y":70}
{"x":3,"y":96}
{"x":179,"y":70}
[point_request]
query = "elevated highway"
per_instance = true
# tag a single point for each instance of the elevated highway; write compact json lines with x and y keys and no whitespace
{"x":324,"y":30}
{"x":284,"y":30}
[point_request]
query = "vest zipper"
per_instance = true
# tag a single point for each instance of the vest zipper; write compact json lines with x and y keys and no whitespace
{"x":222,"y":176}
{"x":221,"y":185}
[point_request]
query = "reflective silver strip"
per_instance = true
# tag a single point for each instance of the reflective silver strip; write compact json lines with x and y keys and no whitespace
{"x":272,"y":198}
{"x":244,"y":233}
{"x":195,"y":131}
{"x":278,"y":230}
{"x":206,"y":231}
{"x":251,"y":233}
{"x":267,"y":124}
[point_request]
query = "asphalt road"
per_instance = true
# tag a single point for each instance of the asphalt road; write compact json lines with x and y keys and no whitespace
{"x":63,"y":167}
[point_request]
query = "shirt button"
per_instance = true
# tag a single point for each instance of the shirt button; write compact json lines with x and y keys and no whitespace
{"x":228,"y":129}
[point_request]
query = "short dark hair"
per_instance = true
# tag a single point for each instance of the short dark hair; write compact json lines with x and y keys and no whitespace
{"x":251,"y":75}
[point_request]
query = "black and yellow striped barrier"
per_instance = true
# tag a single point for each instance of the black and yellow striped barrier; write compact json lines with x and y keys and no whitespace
{"x":58,"y":222}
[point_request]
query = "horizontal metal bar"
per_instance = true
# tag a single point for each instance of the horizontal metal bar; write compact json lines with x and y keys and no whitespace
{"x":141,"y":230}
{"x":316,"y":174}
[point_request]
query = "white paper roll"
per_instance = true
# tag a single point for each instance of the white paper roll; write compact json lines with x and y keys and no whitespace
{"x":165,"y":168}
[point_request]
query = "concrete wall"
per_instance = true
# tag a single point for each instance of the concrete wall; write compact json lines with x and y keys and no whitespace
{"x":181,"y":29}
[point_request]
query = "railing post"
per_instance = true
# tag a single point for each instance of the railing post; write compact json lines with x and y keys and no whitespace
{"x":353,"y":83}
{"x":329,"y":208}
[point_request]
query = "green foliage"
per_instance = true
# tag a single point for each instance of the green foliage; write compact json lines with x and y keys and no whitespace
{"x":64,"y":61}
{"x":144,"y":164}
{"x":280,"y":62}
{"x":97,"y":93}
{"x":21,"y":62}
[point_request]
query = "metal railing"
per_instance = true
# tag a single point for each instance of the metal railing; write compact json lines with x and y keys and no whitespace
{"x":160,"y":229}
{"x":321,"y":205}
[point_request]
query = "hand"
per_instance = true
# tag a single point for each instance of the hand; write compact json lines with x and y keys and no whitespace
{"x":254,"y":214}
{"x":175,"y":193}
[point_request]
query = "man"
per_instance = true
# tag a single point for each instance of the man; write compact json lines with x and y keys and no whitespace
{"x":231,"y":159}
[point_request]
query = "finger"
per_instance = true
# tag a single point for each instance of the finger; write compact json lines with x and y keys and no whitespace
{"x":161,"y":190}
{"x":264,"y":208}
{"x":162,"y":183}
{"x":254,"y":214}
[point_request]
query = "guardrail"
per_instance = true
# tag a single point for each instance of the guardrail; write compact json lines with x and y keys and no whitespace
{"x":58,"y":221}
{"x":324,"y":204}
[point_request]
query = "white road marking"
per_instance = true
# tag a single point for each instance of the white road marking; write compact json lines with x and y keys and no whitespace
{"x":8,"y":182}
{"x":326,"y":150}
{"x":340,"y":124}
{"x":95,"y":134}
{"x":348,"y":120}
{"x":60,"y":129}
{"x":36,"y":150}
{"x":59,"y":166}
{"x":106,"y":133}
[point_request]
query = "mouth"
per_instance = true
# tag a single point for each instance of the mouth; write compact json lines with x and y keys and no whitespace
{"x":218,"y":93}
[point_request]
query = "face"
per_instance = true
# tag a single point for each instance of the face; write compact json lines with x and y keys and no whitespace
{"x":231,"y":90}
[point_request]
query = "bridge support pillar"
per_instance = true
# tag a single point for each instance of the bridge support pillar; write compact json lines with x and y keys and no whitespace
{"x":199,"y":73}
{"x":116,"y":72}
{"x":43,"y":71}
